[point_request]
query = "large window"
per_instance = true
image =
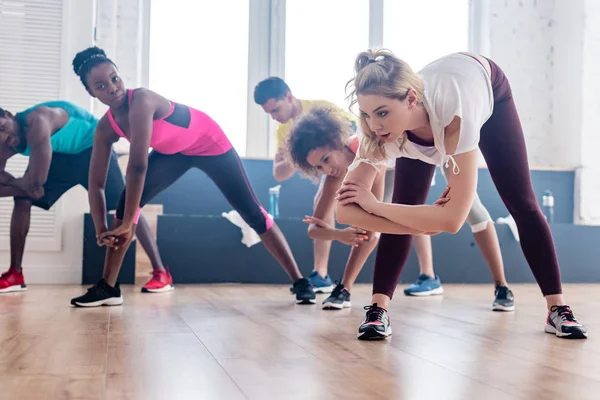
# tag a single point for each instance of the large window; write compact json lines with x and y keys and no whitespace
{"x":322,"y":39}
{"x":421,"y":31}
{"x":199,"y":57}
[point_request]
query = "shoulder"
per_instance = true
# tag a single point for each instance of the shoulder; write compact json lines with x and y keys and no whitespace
{"x":42,"y":113}
{"x":44,"y":120}
{"x":143,"y":96}
{"x":105,"y":129}
{"x":455,"y":74}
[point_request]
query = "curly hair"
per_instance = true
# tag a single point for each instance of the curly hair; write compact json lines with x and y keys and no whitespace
{"x":319,"y":127}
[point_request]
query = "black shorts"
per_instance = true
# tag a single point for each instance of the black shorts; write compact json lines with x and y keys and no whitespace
{"x":69,"y":170}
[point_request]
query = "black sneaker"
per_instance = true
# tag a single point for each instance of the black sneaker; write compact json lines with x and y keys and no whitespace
{"x":563,"y":324}
{"x":339,"y":298}
{"x":505,"y":300}
{"x":101,"y":294}
{"x":376,"y":325}
{"x":304,"y":292}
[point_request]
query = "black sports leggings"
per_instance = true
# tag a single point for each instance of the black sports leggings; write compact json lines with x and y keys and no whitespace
{"x":225,"y":170}
{"x":503,"y":147}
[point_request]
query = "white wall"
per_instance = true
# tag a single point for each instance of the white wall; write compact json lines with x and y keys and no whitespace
{"x":588,"y":193}
{"x":549,"y":49}
{"x":521,"y":43}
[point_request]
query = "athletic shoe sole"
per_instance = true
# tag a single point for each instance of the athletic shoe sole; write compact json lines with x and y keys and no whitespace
{"x":324,"y":289}
{"x":576,"y":334}
{"x":500,"y":307}
{"x":163,"y":289}
{"x":112,"y":301}
{"x":433,"y":292}
{"x":336,"y":306}
{"x":373,"y":334}
{"x":306,"y":301}
{"x":14,"y":288}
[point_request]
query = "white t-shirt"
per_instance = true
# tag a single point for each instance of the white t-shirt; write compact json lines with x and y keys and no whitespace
{"x":455,"y":85}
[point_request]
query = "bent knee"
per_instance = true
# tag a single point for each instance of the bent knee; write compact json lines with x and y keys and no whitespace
{"x":260,"y":222}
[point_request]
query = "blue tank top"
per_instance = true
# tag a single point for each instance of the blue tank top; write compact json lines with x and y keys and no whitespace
{"x":76,"y":136}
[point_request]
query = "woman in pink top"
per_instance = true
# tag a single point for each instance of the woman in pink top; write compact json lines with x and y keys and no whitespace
{"x":181,"y":138}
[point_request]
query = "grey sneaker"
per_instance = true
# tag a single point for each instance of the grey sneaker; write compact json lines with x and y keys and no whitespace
{"x":563,"y":324}
{"x":505,"y":300}
{"x":376,"y":325}
{"x":339,"y":298}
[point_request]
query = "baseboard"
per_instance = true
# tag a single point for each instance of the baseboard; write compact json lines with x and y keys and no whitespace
{"x":47,"y":274}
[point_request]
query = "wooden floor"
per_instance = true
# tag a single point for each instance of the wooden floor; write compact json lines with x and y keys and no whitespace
{"x":251,"y":342}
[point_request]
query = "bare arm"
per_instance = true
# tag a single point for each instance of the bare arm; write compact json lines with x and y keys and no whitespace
{"x":325,"y":205}
{"x":104,"y":138}
{"x":353,"y":214}
{"x":38,"y":139}
{"x":12,"y":191}
{"x":144,"y":105}
{"x":5,"y":153}
{"x":6,"y":189}
{"x":449,"y":218}
{"x":282,"y":168}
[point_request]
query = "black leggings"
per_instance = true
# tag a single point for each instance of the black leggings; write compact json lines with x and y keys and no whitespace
{"x":503,"y":146}
{"x":225,"y":170}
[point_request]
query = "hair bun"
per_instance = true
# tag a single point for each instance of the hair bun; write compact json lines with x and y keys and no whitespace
{"x":85,"y":56}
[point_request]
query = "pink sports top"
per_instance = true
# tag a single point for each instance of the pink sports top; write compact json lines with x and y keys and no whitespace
{"x":183,"y":130}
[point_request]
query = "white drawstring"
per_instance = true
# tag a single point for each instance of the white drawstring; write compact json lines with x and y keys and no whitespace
{"x":455,"y":167}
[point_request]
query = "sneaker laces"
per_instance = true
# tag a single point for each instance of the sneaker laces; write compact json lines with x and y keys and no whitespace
{"x":374,"y":313}
{"x":8,"y":273}
{"x":337,"y":290}
{"x":155,"y":273}
{"x":564,"y":312}
{"x":502,"y":292}
{"x":97,"y":287}
{"x":302,"y":284}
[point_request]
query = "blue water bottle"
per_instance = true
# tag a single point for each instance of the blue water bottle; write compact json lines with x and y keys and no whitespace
{"x":274,"y":201}
{"x":548,"y":204}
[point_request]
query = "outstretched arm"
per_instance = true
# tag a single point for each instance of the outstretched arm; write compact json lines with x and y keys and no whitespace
{"x":104,"y":138}
{"x":143,"y":107}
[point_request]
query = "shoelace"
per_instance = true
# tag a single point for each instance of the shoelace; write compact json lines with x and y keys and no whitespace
{"x":374,"y":313}
{"x":564,"y":312}
{"x":502,"y":292}
{"x":97,"y":289}
{"x":304,"y":284}
{"x":155,"y":273}
{"x":337,"y":290}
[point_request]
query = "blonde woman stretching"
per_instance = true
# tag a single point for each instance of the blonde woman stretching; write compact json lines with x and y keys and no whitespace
{"x":441,"y":116}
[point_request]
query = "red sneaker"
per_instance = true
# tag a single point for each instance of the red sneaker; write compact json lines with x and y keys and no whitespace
{"x":12,"y":281}
{"x":160,"y":282}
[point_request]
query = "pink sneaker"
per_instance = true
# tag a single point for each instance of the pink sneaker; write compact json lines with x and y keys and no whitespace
{"x":12,"y":281}
{"x":161,"y":282}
